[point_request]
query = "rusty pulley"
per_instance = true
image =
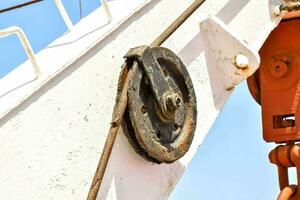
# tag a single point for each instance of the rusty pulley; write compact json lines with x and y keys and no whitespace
{"x":185,"y":131}
{"x":160,"y":119}
{"x":175,"y":146}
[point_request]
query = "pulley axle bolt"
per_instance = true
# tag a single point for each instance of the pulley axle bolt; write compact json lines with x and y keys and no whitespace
{"x":279,"y":69}
{"x":173,"y":102}
{"x":178,"y":102}
{"x":241,"y":61}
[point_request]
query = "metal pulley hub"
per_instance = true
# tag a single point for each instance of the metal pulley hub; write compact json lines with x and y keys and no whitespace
{"x":160,"y":118}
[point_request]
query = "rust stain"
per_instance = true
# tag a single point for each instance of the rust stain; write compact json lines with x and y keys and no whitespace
{"x":230,"y":88}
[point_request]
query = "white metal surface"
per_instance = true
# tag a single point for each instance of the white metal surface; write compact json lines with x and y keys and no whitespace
{"x":230,"y":52}
{"x":57,"y":155}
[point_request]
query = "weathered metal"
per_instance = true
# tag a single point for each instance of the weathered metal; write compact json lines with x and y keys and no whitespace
{"x":162,"y":134}
{"x":287,"y":193}
{"x":235,"y":58}
{"x":288,"y":9}
{"x":159,"y":86}
{"x":284,"y":157}
{"x":121,"y":100}
{"x":276,"y":87}
{"x":158,"y":180}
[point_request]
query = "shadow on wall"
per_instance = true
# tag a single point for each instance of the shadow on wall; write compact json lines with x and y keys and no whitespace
{"x":231,"y":9}
{"x":125,"y":165}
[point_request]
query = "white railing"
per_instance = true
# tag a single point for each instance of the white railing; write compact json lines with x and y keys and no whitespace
{"x":64,"y":14}
{"x":25,"y":43}
{"x":67,"y":19}
{"x":106,"y":10}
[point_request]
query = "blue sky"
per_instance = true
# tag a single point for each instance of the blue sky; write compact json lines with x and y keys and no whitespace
{"x":233,"y":161}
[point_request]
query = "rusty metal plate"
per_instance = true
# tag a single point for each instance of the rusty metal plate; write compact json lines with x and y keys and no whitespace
{"x":156,"y":138}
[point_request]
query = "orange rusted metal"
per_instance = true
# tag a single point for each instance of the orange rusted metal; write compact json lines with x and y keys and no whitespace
{"x":291,"y":15}
{"x":285,"y":157}
{"x":288,"y":193}
{"x":276,"y":87}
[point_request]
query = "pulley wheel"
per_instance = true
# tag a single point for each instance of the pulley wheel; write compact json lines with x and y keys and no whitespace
{"x":156,"y":138}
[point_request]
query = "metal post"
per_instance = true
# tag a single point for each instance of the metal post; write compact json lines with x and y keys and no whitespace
{"x":25,"y":43}
{"x":106,"y":10}
{"x":64,"y":14}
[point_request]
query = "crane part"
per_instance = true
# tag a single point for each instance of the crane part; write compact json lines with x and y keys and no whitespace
{"x":121,"y":103}
{"x":275,"y":86}
{"x":161,"y":117}
{"x":215,"y":62}
{"x":240,"y":60}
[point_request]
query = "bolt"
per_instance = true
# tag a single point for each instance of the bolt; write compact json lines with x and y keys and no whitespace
{"x":178,"y":102}
{"x":241,"y":61}
{"x":278,"y":69}
{"x":173,"y":102}
{"x":277,"y":10}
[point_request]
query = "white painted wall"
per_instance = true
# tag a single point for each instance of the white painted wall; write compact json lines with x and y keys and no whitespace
{"x":51,"y":143}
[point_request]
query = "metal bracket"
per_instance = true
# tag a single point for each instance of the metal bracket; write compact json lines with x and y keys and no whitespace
{"x":165,"y":97}
{"x":233,"y":56}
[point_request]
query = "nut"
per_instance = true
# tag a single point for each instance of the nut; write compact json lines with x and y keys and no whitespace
{"x":173,"y":102}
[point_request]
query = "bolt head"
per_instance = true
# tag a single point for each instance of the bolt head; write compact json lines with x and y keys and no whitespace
{"x":173,"y":102}
{"x":276,"y":10}
{"x":241,"y":61}
{"x":279,"y":69}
